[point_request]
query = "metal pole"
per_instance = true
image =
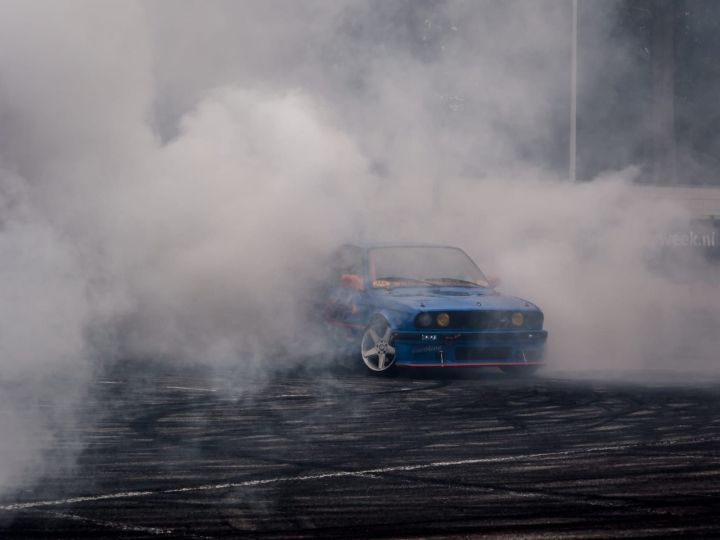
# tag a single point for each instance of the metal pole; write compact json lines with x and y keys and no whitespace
{"x":573,"y":92}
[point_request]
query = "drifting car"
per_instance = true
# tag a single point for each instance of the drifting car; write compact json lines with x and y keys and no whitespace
{"x":427,"y":306}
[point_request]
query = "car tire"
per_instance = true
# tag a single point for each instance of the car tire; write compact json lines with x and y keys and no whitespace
{"x":376,"y":347}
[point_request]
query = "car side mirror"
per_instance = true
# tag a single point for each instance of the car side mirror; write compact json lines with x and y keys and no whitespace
{"x":494,"y":282}
{"x":352,"y":281}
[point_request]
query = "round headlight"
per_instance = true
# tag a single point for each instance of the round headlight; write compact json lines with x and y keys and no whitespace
{"x":442,"y":319}
{"x":517,"y":318}
{"x":423,"y":320}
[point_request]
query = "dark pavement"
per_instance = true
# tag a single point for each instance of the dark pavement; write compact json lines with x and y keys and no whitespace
{"x":337,"y":453}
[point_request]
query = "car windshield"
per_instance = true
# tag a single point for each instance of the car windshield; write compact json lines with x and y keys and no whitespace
{"x":423,"y":266}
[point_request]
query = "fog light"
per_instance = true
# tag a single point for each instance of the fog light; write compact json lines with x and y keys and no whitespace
{"x":517,"y":318}
{"x":443,"y":319}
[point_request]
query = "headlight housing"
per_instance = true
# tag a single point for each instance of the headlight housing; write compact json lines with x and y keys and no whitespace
{"x":423,"y":320}
{"x":442,"y":320}
{"x":517,"y":318}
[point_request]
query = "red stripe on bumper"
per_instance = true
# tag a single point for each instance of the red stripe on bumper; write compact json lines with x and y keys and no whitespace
{"x":472,"y":364}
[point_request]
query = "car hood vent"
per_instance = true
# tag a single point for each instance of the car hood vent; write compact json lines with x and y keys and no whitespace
{"x":453,"y":293}
{"x":442,"y":292}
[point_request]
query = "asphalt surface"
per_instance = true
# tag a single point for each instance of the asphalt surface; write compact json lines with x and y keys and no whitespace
{"x":337,"y":453}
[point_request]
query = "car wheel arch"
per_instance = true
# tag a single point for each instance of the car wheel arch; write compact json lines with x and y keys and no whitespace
{"x":392,"y":319}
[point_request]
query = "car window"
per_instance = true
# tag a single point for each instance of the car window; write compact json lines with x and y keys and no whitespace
{"x":430,"y":265}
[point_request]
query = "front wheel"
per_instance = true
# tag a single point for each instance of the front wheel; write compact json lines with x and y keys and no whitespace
{"x":376,"y":346}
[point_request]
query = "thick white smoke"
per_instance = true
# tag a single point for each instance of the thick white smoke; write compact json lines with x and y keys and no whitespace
{"x":172,"y":172}
{"x":242,"y":203}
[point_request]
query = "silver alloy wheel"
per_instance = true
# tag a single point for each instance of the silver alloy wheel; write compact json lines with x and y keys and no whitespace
{"x":375,"y":347}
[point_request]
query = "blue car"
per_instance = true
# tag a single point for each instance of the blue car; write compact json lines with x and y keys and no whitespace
{"x":427,"y":306}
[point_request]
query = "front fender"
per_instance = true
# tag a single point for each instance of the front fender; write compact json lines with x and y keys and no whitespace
{"x":396,"y":318}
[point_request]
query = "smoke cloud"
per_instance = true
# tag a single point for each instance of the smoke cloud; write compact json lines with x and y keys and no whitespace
{"x":172,"y":174}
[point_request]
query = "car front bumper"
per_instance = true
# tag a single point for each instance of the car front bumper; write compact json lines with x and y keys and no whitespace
{"x":461,"y":348}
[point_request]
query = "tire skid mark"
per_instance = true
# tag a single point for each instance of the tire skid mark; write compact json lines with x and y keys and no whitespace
{"x":525,"y":492}
{"x":363,"y":473}
{"x":121,"y":527}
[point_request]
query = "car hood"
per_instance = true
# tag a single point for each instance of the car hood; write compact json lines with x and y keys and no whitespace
{"x":453,"y":298}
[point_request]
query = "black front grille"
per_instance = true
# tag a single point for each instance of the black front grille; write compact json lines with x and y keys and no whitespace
{"x":491,"y":320}
{"x":475,"y":354}
{"x":495,"y":320}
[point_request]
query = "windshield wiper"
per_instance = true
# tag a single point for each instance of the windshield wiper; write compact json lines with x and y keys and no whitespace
{"x":455,"y":280}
